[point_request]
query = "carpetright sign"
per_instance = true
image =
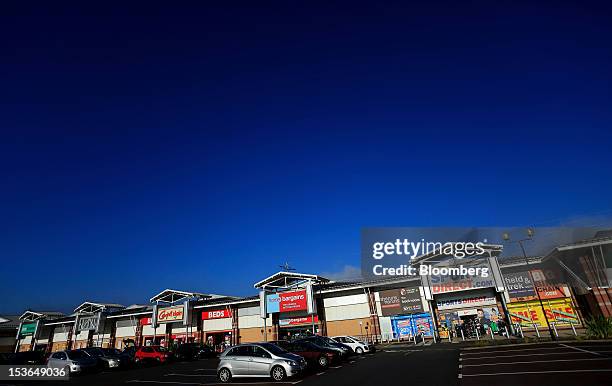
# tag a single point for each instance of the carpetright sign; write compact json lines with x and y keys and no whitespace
{"x":170,"y":314}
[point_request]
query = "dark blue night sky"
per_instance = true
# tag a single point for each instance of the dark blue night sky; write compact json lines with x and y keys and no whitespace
{"x":198,"y":146}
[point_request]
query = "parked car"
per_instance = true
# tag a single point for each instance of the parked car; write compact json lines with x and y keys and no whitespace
{"x":258,"y":360}
{"x":157,"y":354}
{"x":323,"y":341}
{"x":8,"y":358}
{"x":191,"y":351}
{"x":359,"y":347}
{"x":76,"y":361}
{"x":316,"y":356}
{"x":124,"y":359}
{"x":30,"y":358}
{"x":129,"y":353}
{"x":105,"y":360}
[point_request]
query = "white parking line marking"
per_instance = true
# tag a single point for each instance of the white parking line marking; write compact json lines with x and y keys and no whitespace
{"x":521,"y":355}
{"x":513,"y":350}
{"x":539,"y":372}
{"x":579,"y":349}
{"x":321,"y":373}
{"x":545,"y":361}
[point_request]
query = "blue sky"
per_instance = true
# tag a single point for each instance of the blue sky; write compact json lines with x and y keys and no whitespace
{"x":198,"y":147}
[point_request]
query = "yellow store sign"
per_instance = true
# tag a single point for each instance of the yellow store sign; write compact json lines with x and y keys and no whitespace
{"x":559,"y":311}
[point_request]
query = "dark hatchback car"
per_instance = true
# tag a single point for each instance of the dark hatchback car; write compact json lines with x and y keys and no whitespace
{"x":323,"y":341}
{"x":316,"y":356}
{"x":193,"y":351}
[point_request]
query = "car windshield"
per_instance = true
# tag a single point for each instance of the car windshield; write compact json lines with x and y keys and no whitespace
{"x":76,"y":354}
{"x":274,"y":349}
{"x":160,"y":349}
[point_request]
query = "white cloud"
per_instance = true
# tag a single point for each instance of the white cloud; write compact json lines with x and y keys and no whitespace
{"x":348,"y":273}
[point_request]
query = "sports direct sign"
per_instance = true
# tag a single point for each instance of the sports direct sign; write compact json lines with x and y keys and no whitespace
{"x":287,"y":301}
{"x":216,"y":314}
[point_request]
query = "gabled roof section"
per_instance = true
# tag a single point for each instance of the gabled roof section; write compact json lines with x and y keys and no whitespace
{"x":173,"y":296}
{"x":31,"y":316}
{"x":93,"y":307}
{"x":285,"y":279}
{"x":9,"y":322}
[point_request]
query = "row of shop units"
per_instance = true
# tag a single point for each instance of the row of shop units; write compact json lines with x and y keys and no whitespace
{"x":291,"y":304}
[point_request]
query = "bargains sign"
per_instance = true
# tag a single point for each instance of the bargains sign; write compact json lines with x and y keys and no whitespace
{"x":287,"y":301}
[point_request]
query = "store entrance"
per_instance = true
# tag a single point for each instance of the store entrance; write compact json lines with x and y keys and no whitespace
{"x":292,"y":333}
{"x":469,"y":325}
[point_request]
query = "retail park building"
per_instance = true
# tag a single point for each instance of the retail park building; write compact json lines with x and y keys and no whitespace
{"x":571,"y":283}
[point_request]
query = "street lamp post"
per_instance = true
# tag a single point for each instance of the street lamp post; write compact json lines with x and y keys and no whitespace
{"x":530,"y":233}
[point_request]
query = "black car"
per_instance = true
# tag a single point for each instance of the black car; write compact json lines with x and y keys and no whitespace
{"x":192,"y":351}
{"x":30,"y":358}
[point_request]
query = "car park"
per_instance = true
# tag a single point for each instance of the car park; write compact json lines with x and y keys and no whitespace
{"x":76,"y":361}
{"x":316,"y":356}
{"x":105,"y":360}
{"x":359,"y":347}
{"x":156,"y":354}
{"x":261,"y":360}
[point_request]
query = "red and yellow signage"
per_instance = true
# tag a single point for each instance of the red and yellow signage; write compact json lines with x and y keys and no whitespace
{"x":216,"y":314}
{"x":559,"y":311}
{"x":170,"y":314}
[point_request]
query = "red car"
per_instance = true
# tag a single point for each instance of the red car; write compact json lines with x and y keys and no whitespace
{"x":316,"y":356}
{"x":152,"y":354}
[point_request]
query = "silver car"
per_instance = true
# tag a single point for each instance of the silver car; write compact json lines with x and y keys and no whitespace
{"x":76,"y":361}
{"x":259,"y":360}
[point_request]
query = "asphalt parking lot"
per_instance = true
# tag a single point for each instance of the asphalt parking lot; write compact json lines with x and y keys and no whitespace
{"x":585,"y":363}
{"x":559,"y":364}
{"x":393,"y":365}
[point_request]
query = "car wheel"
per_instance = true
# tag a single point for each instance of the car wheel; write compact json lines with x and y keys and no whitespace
{"x":224,"y":375}
{"x":359,"y":350}
{"x":323,"y":361}
{"x":278,"y":373}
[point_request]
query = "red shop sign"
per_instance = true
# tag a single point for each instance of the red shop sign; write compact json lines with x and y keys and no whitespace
{"x":298,"y":321}
{"x":293,"y":301}
{"x":145,"y":321}
{"x":216,"y":314}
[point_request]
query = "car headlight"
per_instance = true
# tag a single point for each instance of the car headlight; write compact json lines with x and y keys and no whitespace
{"x":291,"y":363}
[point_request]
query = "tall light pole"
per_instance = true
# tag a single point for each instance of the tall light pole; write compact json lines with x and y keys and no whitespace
{"x":530,"y":233}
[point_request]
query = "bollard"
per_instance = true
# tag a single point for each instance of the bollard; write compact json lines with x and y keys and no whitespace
{"x":492,"y":335}
{"x":450,"y":340}
{"x":573,"y":329}
{"x":521,"y":330}
{"x":462,"y":336}
{"x":507,"y":335}
{"x":477,"y":335}
{"x":535,"y":325}
{"x":554,"y":329}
